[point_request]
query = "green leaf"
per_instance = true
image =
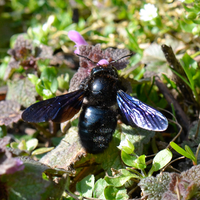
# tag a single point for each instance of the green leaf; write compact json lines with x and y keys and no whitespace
{"x":188,"y":1}
{"x":128,"y":159}
{"x":110,"y":192}
{"x":42,"y":150}
{"x":14,"y":145}
{"x":180,"y":150}
{"x":54,"y":85}
{"x":141,"y":162}
{"x":63,"y":81}
{"x":161,"y":159}
{"x":122,"y":194}
{"x":187,"y":148}
{"x":33,"y":78}
{"x":31,"y":144}
{"x":115,"y":193}
{"x":135,"y":59}
{"x":127,"y":146}
{"x":133,"y":161}
{"x":98,"y":191}
{"x":187,"y":27}
{"x":173,"y":85}
{"x":41,"y":89}
{"x":182,"y":78}
{"x":120,"y":179}
{"x":22,"y":145}
{"x":85,"y":186}
{"x":47,"y":83}
{"x":191,"y":15}
{"x":189,"y":66}
{"x":133,"y":45}
{"x":3,"y":131}
{"x":188,"y":9}
{"x":50,"y":74}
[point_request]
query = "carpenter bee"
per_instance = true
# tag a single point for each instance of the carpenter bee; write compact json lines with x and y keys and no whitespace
{"x":105,"y":99}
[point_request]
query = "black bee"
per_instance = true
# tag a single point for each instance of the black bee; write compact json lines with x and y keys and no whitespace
{"x":105,"y":99}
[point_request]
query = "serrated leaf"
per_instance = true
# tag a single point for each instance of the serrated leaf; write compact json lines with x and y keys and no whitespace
{"x":10,"y":112}
{"x":23,"y":91}
{"x":154,"y":187}
{"x":85,"y":186}
{"x":187,"y":182}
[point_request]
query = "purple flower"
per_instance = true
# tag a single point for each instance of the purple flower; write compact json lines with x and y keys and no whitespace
{"x":97,"y":55}
{"x":78,"y":39}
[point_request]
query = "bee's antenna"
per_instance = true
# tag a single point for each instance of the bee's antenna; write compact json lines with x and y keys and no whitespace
{"x":85,"y":58}
{"x":122,"y":58}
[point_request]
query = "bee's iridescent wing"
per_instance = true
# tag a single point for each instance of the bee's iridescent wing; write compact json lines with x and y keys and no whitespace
{"x":57,"y":109}
{"x":137,"y":113}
